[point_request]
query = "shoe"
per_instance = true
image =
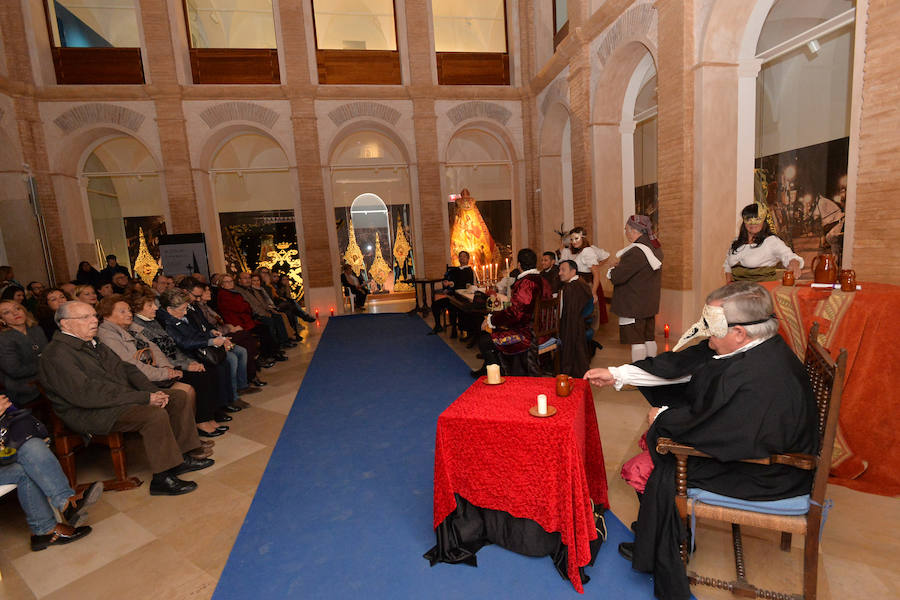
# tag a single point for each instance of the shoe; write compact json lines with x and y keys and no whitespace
{"x":166,"y":484}
{"x":626,"y":550}
{"x":280,"y":357}
{"x":223,"y":428}
{"x":76,"y":512}
{"x":192,"y":464}
{"x":478,"y":373}
{"x":201,"y":452}
{"x":436,"y":329}
{"x":209,"y":434}
{"x":243,"y":404}
{"x":232,"y":408}
{"x":258,"y":382}
{"x":61,"y":534}
{"x":307,"y":317}
{"x":223,"y":418}
{"x":289,"y":344}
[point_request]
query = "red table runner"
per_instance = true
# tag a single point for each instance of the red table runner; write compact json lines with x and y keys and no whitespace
{"x":490,"y":451}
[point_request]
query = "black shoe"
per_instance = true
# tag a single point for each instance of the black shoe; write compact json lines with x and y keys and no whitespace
{"x":76,"y":512}
{"x":480,"y":372}
{"x":223,"y":418}
{"x":209,"y":434}
{"x":266,"y":363}
{"x":61,"y":534}
{"x":223,"y":428}
{"x":257,"y":382}
{"x":306,"y":316}
{"x":289,"y":344}
{"x":626,"y":550}
{"x":166,"y":484}
{"x":437,"y":329}
{"x":192,"y":464}
{"x":232,"y":408}
{"x":280,"y":357}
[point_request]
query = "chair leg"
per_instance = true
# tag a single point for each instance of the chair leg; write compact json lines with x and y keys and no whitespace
{"x":785,"y":541}
{"x":122,"y":481}
{"x":810,"y":566}
{"x":67,"y":462}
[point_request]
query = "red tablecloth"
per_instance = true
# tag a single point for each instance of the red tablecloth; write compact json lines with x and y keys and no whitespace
{"x":867,"y":457}
{"x":490,"y":451}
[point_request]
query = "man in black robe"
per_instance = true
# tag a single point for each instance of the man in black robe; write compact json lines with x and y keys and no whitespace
{"x":550,"y":270}
{"x":456,"y":278}
{"x":740,"y":394}
{"x":575,"y":308}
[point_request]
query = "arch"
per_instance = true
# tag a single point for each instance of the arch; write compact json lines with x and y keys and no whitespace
{"x":353,"y":110}
{"x":639,"y":23}
{"x":221,"y":136}
{"x":478,"y":109}
{"x":239,"y":111}
{"x":99,"y":112}
{"x":367,"y":125}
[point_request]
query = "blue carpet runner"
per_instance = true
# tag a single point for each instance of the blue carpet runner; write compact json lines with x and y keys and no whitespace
{"x":344,"y":508}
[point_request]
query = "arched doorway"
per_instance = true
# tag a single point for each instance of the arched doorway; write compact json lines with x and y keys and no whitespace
{"x":480,"y":162}
{"x":124,"y":199}
{"x":372,"y":203}
{"x":255,"y":195}
{"x":642,"y":109}
{"x":556,"y":197}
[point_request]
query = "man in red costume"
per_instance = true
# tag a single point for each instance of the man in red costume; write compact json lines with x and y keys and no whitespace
{"x":509,"y":331}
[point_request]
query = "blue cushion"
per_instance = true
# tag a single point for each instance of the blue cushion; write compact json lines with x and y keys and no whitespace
{"x":798,"y":505}
{"x":549,"y":343}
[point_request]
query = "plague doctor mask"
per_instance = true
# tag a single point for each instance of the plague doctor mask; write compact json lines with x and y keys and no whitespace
{"x":712,"y":323}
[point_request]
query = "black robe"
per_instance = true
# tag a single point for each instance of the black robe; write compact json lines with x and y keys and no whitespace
{"x":574,"y":355}
{"x":750,"y":405}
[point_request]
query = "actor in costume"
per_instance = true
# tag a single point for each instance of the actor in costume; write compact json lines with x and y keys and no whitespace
{"x":510,"y":331}
{"x":756,"y":251}
{"x":550,"y":271}
{"x":575,"y":308}
{"x":637,"y":280}
{"x":456,"y":278}
{"x":740,"y":394}
{"x":589,"y":260}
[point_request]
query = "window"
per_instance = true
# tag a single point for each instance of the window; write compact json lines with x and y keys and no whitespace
{"x":356,"y":42}
{"x":95,"y":41}
{"x":470,"y":42}
{"x":232,"y":41}
{"x":560,"y":21}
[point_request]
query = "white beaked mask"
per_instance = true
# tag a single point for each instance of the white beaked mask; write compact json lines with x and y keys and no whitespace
{"x":712,"y":323}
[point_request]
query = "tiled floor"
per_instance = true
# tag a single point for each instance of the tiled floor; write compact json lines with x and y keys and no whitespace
{"x":175,"y":548}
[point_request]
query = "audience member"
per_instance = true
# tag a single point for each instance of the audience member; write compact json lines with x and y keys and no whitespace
{"x":21,"y":344}
{"x":575,"y":308}
{"x":48,"y":303}
{"x":120,"y":282}
{"x":105,"y":290}
{"x":636,"y":276}
{"x":112,"y":267}
{"x":93,"y":391}
{"x":550,"y":271}
{"x":13,"y":293}
{"x":510,"y":331}
{"x":291,"y":315}
{"x":8,"y":277}
{"x":87,"y":274}
{"x":282,"y":297}
{"x":33,"y":291}
{"x":456,"y":278}
{"x":352,"y":285}
{"x":68,"y":289}
{"x":42,"y":486}
{"x":262,"y":310}
{"x":237,"y":312}
{"x":86,"y":293}
{"x":161,"y":283}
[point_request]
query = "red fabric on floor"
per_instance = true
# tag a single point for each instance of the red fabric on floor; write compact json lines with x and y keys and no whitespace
{"x":493,"y":453}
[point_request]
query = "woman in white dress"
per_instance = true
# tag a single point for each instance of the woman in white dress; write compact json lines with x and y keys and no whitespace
{"x":756,"y":251}
{"x":588,"y":259}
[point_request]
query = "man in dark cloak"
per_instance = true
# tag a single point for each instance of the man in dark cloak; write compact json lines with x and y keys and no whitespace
{"x":456,"y":278}
{"x":550,"y":270}
{"x":740,"y":394}
{"x":575,"y":307}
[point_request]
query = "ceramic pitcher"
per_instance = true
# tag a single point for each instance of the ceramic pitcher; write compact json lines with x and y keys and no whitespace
{"x":825,"y":269}
{"x":848,"y":280}
{"x":563,"y":385}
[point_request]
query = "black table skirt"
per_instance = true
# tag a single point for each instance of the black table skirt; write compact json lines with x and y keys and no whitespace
{"x":463,"y":533}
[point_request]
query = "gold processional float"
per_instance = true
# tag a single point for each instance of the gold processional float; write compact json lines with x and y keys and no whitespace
{"x":380,"y":272}
{"x":471,"y":233}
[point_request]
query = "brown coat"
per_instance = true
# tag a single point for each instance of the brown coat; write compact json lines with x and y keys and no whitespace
{"x":636,"y":286}
{"x":90,"y":387}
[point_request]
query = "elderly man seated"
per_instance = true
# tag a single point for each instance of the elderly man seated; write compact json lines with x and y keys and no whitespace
{"x":95,"y":392}
{"x":741,"y":394}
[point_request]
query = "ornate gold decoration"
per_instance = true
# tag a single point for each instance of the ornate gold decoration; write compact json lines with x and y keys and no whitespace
{"x":401,"y":255}
{"x":380,"y":271}
{"x":145,"y":266}
{"x":266,"y":247}
{"x":354,"y":256}
{"x":471,"y":233}
{"x":101,"y":254}
{"x":288,"y":257}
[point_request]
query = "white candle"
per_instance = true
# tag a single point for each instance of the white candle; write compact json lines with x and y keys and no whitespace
{"x":542,"y":404}
{"x":493,"y":373}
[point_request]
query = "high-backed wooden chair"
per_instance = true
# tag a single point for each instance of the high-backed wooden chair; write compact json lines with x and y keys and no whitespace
{"x":546,"y":325}
{"x":826,"y":376}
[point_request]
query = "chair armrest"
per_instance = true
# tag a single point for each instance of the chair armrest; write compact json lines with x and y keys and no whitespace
{"x":807,"y":462}
{"x":665,"y":446}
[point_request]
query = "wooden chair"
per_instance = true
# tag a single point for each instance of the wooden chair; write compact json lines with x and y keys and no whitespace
{"x":546,"y":325}
{"x":826,"y":377}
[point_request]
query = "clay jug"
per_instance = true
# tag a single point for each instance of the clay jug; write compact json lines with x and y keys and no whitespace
{"x":787,"y":278}
{"x":848,"y":280}
{"x":563,"y":385}
{"x":824,"y":268}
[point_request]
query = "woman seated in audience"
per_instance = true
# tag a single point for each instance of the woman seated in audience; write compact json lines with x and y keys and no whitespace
{"x":14,"y":293}
{"x":21,"y":344}
{"x":42,"y":486}
{"x":207,"y":382}
{"x":283,"y":298}
{"x":287,"y":314}
{"x":48,"y":301}
{"x":86,"y":294}
{"x":105,"y":290}
{"x":237,"y":312}
{"x":128,"y":341}
{"x":86,"y":274}
{"x":174,"y":305}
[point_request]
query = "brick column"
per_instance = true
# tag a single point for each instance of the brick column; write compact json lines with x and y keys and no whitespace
{"x":580,"y":116}
{"x":169,"y":117}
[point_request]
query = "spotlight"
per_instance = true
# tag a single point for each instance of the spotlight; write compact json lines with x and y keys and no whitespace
{"x":814,"y":46}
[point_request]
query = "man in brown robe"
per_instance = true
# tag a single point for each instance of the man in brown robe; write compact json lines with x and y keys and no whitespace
{"x":575,"y":308}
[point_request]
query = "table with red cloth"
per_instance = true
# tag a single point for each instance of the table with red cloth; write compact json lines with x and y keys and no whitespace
{"x":492,"y":453}
{"x":866,"y":456}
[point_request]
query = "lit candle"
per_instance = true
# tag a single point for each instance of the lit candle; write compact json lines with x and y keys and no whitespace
{"x":317,"y":313}
{"x":332,"y":311}
{"x":666,"y":330}
{"x":507,"y":264}
{"x":542,"y":404}
{"x":493,"y":373}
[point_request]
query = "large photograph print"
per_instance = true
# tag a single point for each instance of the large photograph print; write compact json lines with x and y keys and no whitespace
{"x":806,"y":192}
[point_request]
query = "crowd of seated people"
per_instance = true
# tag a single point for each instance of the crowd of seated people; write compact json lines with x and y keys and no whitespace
{"x":173,"y":361}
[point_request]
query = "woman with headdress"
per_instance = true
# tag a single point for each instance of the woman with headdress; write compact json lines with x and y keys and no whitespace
{"x":757,"y":250}
{"x":636,"y":276}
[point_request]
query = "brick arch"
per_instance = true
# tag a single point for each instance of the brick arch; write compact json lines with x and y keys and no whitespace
{"x":557,"y":92}
{"x":369,"y":125}
{"x":99,"y":113}
{"x":640,"y":23}
{"x":489,"y":127}
{"x":70,"y":157}
{"x":224,"y":134}
{"x":238,"y":111}
{"x":353,"y":110}
{"x":479,"y":110}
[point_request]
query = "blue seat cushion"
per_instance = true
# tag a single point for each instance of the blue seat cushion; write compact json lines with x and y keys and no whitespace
{"x":549,"y":343}
{"x":798,"y":505}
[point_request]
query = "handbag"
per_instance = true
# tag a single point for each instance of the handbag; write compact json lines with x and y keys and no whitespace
{"x":16,"y":428}
{"x":211,"y":356}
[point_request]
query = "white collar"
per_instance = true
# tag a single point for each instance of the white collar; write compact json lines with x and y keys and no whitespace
{"x":528,"y":272}
{"x":743,"y":348}
{"x":92,"y":340}
{"x":573,"y":279}
{"x":466,"y":267}
{"x":654,"y":262}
